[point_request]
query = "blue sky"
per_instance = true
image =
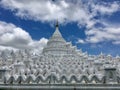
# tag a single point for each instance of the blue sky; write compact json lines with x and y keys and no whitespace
{"x":93,"y":26}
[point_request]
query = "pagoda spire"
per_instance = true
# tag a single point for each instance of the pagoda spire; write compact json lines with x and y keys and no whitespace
{"x":57,"y":24}
{"x":55,"y":42}
{"x":57,"y":32}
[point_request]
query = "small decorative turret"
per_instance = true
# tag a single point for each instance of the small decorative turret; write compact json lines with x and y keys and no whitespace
{"x":3,"y":72}
{"x":110,"y":75}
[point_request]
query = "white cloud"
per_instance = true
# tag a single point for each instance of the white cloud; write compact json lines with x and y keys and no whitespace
{"x":10,"y":35}
{"x":13,"y":37}
{"x":106,"y":8}
{"x":38,"y":45}
{"x":42,"y":10}
{"x":47,"y":10}
{"x":104,"y":34}
{"x":81,"y":41}
{"x":64,"y":10}
{"x":81,"y":11}
{"x":7,"y":48}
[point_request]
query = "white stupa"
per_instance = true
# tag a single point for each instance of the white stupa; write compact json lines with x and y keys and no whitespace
{"x":59,"y":63}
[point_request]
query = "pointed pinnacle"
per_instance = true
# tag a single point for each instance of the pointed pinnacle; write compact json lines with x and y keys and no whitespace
{"x":57,"y":23}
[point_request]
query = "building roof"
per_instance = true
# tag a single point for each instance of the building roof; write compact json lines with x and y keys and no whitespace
{"x":59,"y":59}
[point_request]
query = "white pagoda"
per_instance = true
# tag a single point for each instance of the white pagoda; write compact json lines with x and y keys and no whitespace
{"x":60,"y":65}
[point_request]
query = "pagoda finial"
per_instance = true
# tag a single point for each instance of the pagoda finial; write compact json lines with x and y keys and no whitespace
{"x":57,"y":24}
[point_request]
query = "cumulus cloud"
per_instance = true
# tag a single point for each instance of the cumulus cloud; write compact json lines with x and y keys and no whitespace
{"x":38,"y":45}
{"x":104,"y":34}
{"x":106,"y":8}
{"x":10,"y":35}
{"x":13,"y":37}
{"x":42,"y":10}
{"x":47,"y":10}
{"x":81,"y":11}
{"x":81,"y":41}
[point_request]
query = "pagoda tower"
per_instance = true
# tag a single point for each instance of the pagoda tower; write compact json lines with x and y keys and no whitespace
{"x":57,"y":44}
